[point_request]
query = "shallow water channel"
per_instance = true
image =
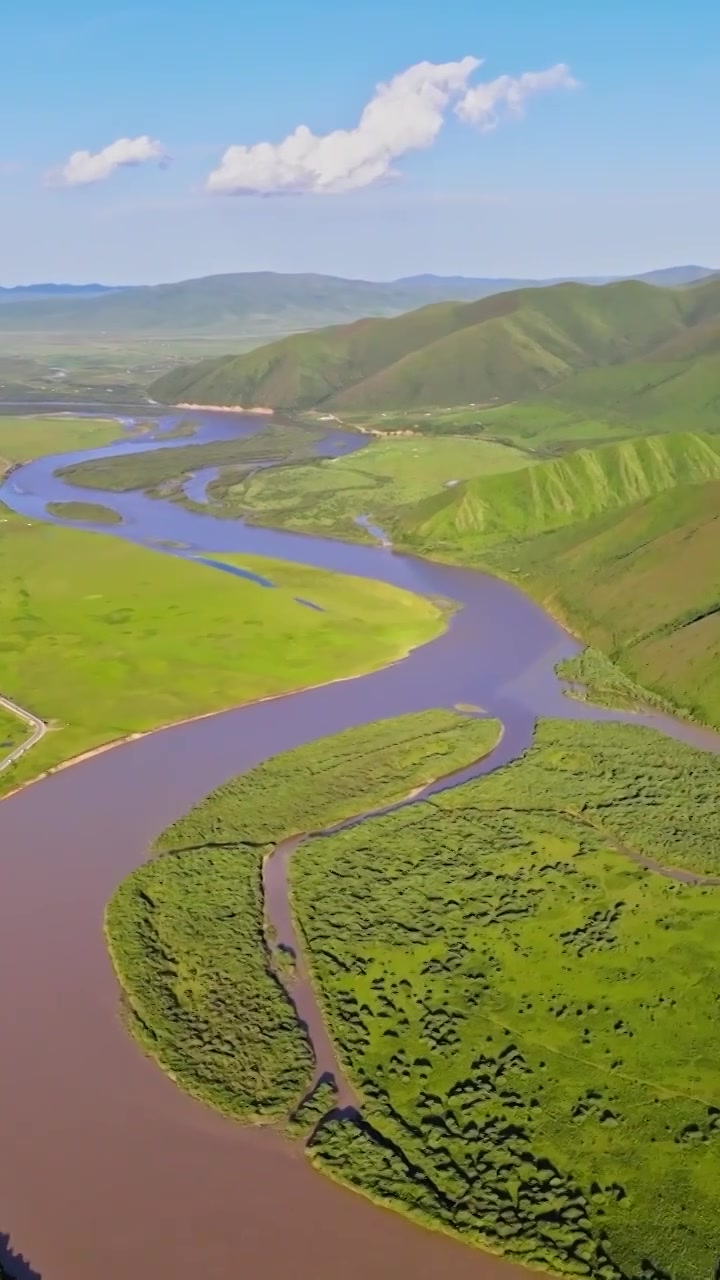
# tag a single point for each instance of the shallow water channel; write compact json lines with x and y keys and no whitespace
{"x":107,"y":1170}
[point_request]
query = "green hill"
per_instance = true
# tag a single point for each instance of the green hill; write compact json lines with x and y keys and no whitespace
{"x":480,"y":513}
{"x":232,"y":305}
{"x":643,"y":586}
{"x":244,"y":304}
{"x":621,"y":542}
{"x":505,"y":348}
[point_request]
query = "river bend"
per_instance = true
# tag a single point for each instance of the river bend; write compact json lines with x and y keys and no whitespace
{"x":108,"y":1171}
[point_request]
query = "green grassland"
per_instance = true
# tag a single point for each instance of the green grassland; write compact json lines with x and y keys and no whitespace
{"x":160,"y":467}
{"x":509,"y":347}
{"x":187,"y":931}
{"x":529,"y":1015}
{"x":325,"y":496}
{"x":144,"y":639}
{"x":24,"y":438}
{"x":89,"y":365}
{"x":13,"y":731}
{"x":85,"y":512}
{"x":538,"y":425}
{"x":599,"y":405}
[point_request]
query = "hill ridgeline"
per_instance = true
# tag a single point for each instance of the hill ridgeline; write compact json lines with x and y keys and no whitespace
{"x":508,"y":347}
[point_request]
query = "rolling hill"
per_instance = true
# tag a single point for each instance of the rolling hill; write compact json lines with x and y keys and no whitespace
{"x":622,"y":543}
{"x":498,"y":510}
{"x":262,"y":303}
{"x":507,"y":347}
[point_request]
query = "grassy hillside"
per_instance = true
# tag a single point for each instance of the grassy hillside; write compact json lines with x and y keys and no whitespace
{"x":643,"y":586}
{"x":481,"y":513}
{"x":622,"y":542}
{"x":599,"y":405}
{"x":503,"y":348}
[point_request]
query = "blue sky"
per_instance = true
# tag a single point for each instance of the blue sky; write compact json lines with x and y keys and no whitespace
{"x":620,"y":174}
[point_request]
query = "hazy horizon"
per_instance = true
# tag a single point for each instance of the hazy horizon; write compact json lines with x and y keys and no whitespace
{"x":369,"y":279}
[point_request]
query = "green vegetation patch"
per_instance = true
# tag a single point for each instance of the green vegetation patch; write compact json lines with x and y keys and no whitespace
{"x":187,"y":931}
{"x":489,"y":511}
{"x":84,"y":512}
{"x":593,"y":677}
{"x":531,"y":1017}
{"x":621,"y":543}
{"x":376,"y":482}
{"x":155,"y":467}
{"x":13,"y":731}
{"x":519,"y":345}
{"x":144,"y":639}
{"x":24,"y":438}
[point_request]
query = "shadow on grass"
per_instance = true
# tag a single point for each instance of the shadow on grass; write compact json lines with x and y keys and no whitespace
{"x":14,"y":1265}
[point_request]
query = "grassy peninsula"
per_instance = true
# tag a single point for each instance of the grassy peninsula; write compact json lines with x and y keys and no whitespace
{"x":186,"y":931}
{"x":529,"y":1014}
{"x":160,"y":467}
{"x":144,"y":639}
{"x":518,"y":975}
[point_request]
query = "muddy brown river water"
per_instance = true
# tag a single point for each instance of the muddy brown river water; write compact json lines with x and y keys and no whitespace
{"x":107,"y":1170}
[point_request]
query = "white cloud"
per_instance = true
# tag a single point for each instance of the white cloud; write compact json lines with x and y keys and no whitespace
{"x":404,"y":115}
{"x":481,"y":105}
{"x":85,"y":167}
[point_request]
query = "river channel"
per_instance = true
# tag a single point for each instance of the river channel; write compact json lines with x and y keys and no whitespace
{"x":107,"y":1170}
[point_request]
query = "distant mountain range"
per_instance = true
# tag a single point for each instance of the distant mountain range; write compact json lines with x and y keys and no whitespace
{"x":261,"y":304}
{"x":621,"y":346}
{"x":32,"y":292}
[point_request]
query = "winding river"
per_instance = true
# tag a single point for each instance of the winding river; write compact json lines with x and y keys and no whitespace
{"x":107,"y":1170}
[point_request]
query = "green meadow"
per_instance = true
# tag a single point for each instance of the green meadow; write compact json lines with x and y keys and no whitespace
{"x":13,"y":731}
{"x":161,"y":467}
{"x":24,"y":438}
{"x":144,"y":639}
{"x":518,"y":975}
{"x":530,"y":1015}
{"x":84,"y":512}
{"x":325,"y":496}
{"x":187,"y":932}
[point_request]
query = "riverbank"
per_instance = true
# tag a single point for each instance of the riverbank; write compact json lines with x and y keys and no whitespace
{"x":238,"y":997}
{"x":229,"y":408}
{"x":189,"y":720}
{"x":100,"y":611}
{"x":548,"y":1033}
